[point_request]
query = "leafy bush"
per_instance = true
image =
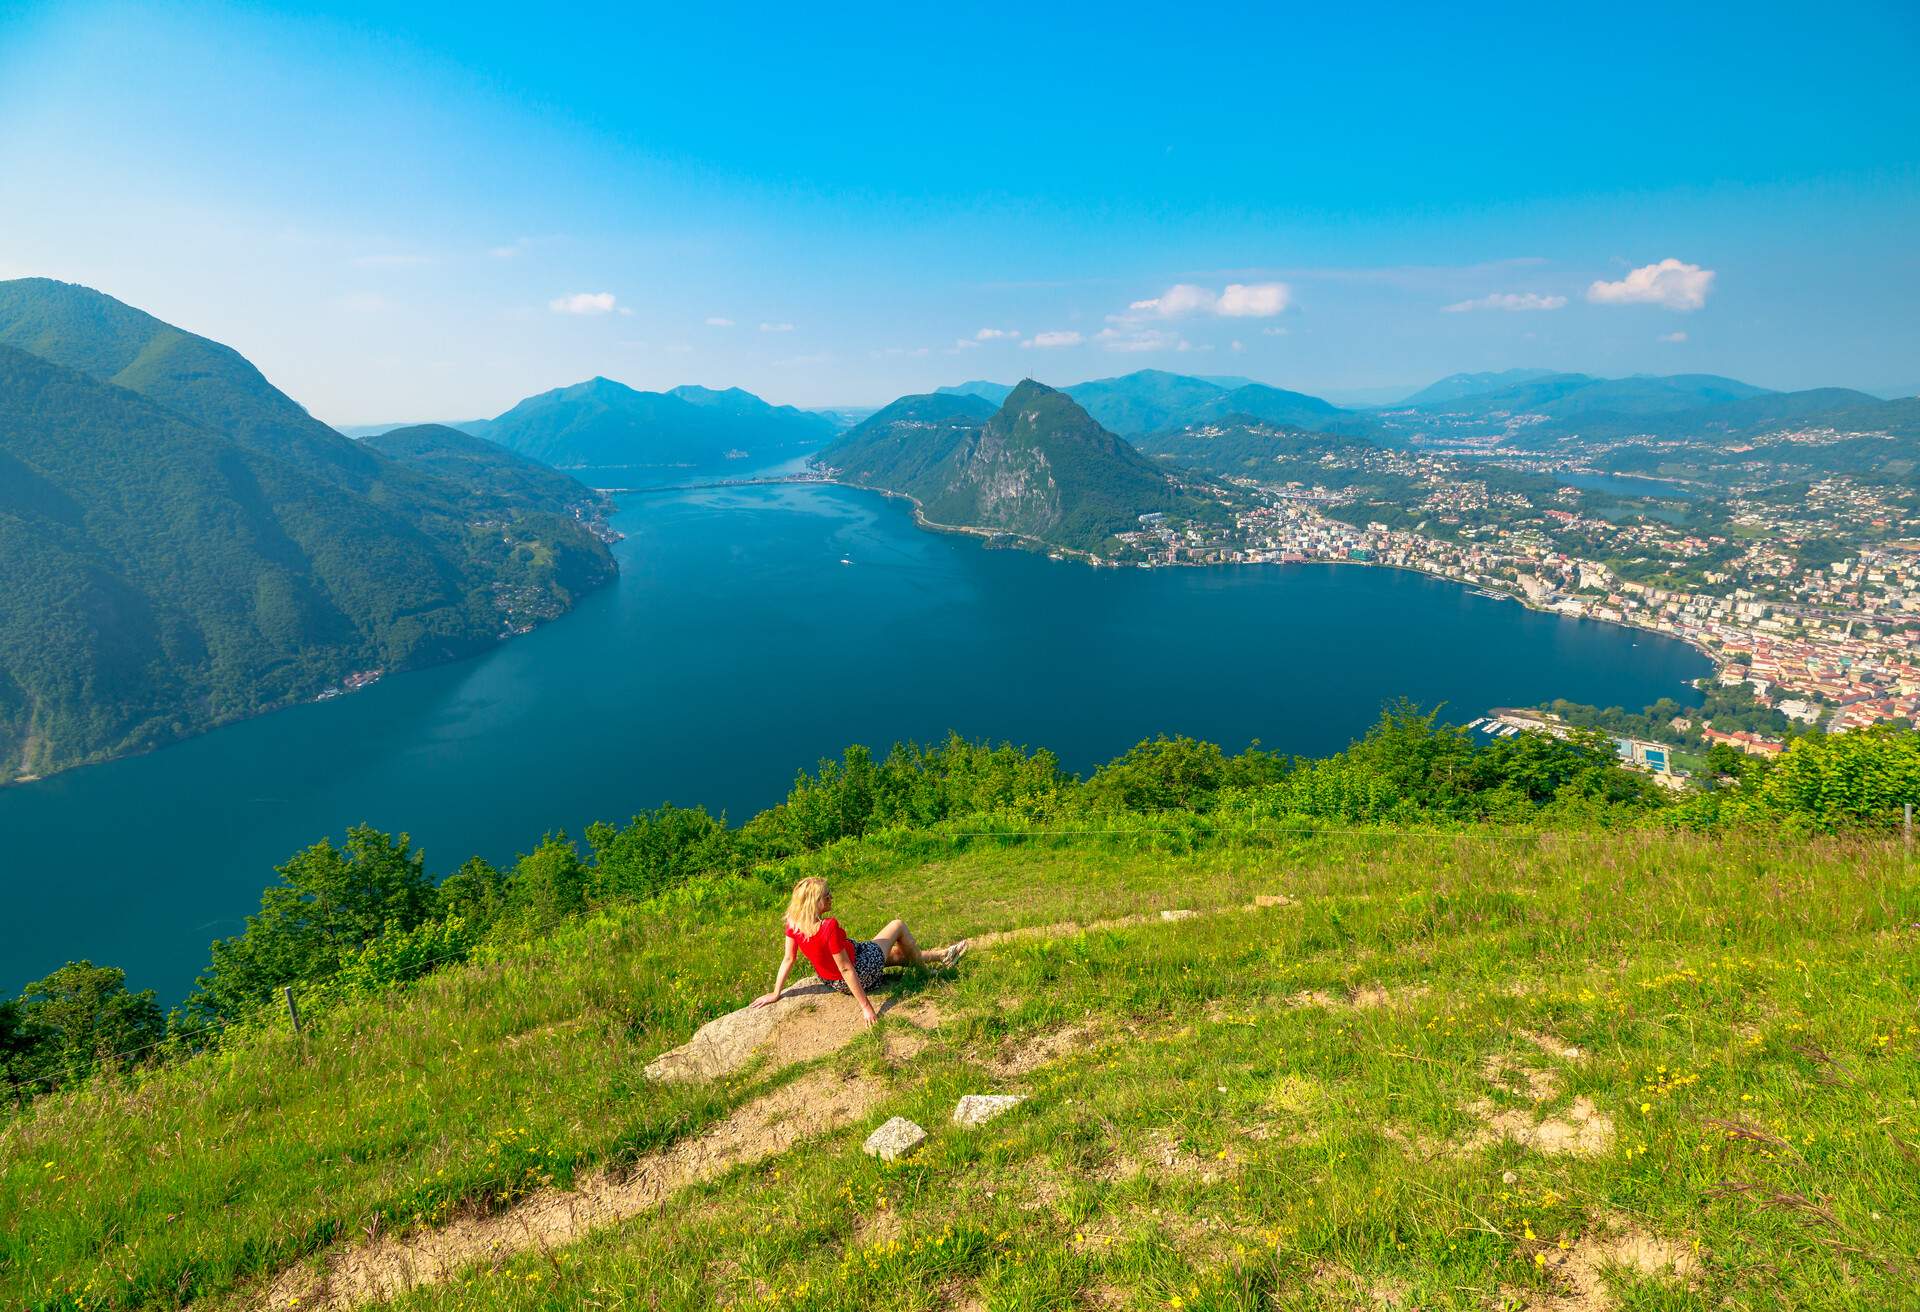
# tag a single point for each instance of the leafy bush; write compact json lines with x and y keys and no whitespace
{"x":399,"y":955}
{"x":1839,"y":781}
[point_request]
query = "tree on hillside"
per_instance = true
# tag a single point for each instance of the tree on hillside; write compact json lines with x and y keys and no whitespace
{"x":550,"y":881}
{"x":17,"y":1044}
{"x":81,"y":1019}
{"x":331,"y":902}
{"x":657,"y":850}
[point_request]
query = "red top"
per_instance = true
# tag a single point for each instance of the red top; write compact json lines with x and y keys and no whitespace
{"x":819,"y":947}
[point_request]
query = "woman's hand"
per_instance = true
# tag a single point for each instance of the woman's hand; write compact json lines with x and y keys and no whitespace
{"x":767,"y":999}
{"x":868,"y":1014}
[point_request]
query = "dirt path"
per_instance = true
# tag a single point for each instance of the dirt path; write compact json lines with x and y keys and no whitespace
{"x":815,"y":1104}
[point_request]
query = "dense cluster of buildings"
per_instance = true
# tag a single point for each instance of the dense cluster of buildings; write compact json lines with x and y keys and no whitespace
{"x":1835,"y":643}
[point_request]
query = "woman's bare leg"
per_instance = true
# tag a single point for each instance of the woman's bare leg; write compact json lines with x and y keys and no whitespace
{"x":897,"y":941}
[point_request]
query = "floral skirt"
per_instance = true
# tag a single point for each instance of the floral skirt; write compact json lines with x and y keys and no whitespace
{"x":868,"y":963}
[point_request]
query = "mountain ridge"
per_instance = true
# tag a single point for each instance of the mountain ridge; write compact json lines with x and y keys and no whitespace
{"x":1038,"y":466}
{"x":601,"y":422}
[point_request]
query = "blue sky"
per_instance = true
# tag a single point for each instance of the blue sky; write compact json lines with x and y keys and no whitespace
{"x":430,"y":213}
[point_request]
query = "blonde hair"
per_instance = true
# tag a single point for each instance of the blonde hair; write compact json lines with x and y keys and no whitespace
{"x":803,"y":911}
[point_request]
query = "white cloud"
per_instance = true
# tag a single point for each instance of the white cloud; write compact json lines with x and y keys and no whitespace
{"x":776,"y":327}
{"x":1053,"y":340}
{"x":1673,"y":337}
{"x":582,"y":303}
{"x":1180,"y":299}
{"x":1670,"y":283}
{"x":962,"y":344}
{"x":1508,"y":301}
{"x":1260,"y":300}
{"x":504,"y":252}
{"x":719,"y":321}
{"x":1275,"y":331}
{"x":1237,"y":347}
{"x":996,"y":334}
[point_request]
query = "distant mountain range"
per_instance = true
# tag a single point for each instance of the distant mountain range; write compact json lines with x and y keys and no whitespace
{"x":601,"y":423}
{"x":182,"y":544}
{"x":1153,"y":400}
{"x":1454,"y":387}
{"x":1515,"y":407}
{"x":1038,"y":466}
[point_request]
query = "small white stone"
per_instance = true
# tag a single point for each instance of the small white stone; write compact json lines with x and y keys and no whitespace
{"x":1508,"y":1177}
{"x":979,"y":1108}
{"x":894,"y":1140}
{"x":1178,"y":915}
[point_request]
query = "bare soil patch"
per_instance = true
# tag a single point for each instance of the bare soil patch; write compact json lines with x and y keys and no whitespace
{"x":1583,"y":1130}
{"x":1366,"y":997}
{"x":1582,"y":1273}
{"x":1029,"y":1054}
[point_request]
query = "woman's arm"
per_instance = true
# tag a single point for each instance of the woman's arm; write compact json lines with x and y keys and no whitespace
{"x":779,"y":980}
{"x":844,"y":960}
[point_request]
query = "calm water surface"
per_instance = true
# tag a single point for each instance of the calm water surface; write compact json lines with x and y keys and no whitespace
{"x":1630,"y":485}
{"x":752,"y":631}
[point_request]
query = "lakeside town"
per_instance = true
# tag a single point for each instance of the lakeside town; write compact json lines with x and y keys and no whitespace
{"x":1808,"y":602}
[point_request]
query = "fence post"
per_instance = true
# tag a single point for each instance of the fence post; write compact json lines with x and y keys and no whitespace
{"x":1906,"y":825}
{"x":293,"y":1008}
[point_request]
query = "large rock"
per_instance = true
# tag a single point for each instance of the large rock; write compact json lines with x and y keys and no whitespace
{"x":812,"y":1021}
{"x":721,"y":1046}
{"x":979,"y":1108}
{"x":898,"y":1138}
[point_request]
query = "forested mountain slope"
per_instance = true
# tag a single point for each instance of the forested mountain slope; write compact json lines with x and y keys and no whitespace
{"x":180,"y":544}
{"x":1039,"y":467}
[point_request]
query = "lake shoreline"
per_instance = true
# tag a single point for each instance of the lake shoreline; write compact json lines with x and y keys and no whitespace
{"x":336,"y":691}
{"x":1054,"y":551}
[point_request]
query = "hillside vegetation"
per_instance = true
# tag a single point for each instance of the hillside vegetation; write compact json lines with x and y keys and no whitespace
{"x":1416,"y":1025}
{"x":181,"y":544}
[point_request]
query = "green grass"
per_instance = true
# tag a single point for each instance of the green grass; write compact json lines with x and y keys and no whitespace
{"x":1211,"y":1142}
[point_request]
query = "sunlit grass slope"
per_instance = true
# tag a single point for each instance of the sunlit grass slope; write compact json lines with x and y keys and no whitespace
{"x":1472,"y":1070}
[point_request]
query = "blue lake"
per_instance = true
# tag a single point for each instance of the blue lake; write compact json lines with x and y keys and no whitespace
{"x":1628,"y":485}
{"x":754,"y":630}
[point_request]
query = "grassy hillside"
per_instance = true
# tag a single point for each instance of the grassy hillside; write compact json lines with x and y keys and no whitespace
{"x":1270,"y":1059}
{"x":1298,"y":1100}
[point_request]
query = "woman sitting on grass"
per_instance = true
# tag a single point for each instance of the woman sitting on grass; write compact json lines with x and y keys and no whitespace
{"x":841,"y":963}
